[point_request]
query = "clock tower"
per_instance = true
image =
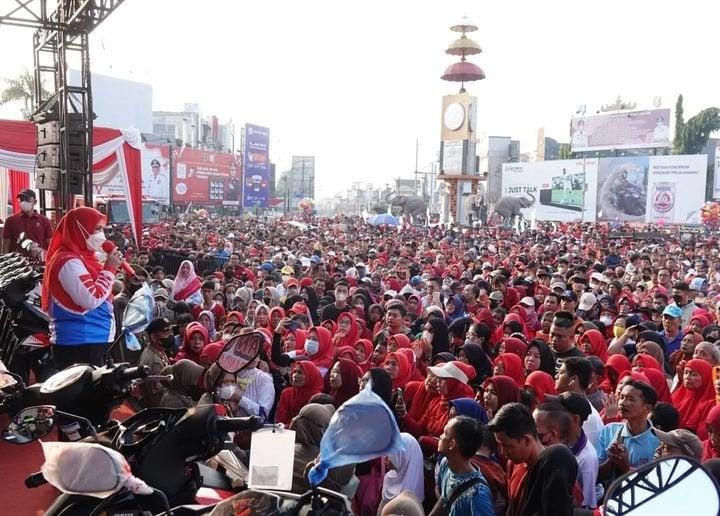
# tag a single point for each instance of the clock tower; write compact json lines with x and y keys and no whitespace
{"x":458,"y":126}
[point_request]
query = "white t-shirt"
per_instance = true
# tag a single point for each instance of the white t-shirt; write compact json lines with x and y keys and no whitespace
{"x":593,"y":426}
{"x":588,"y":465}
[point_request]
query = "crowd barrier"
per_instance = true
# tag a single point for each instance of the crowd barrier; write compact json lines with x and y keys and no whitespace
{"x":171,"y":260}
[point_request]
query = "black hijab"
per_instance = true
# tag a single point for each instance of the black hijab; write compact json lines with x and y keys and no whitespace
{"x":477,"y":358}
{"x":382,"y":384}
{"x":547,"y":362}
{"x":441,"y":339}
{"x":312,"y":304}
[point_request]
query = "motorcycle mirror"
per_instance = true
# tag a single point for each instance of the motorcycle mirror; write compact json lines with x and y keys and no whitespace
{"x":240,"y":351}
{"x":673,"y":485}
{"x":21,"y":237}
{"x":139,"y":311}
{"x":30,"y":424}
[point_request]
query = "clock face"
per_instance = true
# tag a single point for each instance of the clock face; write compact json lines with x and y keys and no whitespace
{"x":454,"y":116}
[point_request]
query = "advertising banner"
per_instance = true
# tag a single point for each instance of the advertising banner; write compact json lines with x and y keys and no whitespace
{"x":621,"y":189}
{"x":555,"y":189}
{"x":256,"y":166}
{"x":716,"y":177}
{"x":205,"y":177}
{"x":155,"y":166}
{"x":621,"y":130}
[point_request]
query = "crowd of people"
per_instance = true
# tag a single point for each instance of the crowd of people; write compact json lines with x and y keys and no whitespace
{"x":525,"y":371}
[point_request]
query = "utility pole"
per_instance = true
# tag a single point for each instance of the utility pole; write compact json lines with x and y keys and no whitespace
{"x":417,"y":149}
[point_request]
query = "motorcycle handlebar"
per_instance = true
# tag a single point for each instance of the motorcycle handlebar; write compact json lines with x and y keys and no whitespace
{"x":224,"y":425}
{"x":131,"y":373}
{"x":35,"y":480}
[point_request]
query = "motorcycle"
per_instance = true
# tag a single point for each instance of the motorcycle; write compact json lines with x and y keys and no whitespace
{"x":24,"y":327}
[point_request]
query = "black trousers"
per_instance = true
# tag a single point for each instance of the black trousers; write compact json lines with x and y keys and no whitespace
{"x":65,"y":356}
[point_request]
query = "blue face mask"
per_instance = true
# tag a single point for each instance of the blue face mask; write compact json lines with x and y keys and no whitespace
{"x":311,"y":347}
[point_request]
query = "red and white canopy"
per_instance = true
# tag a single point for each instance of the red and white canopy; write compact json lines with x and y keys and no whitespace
{"x":112,"y":149}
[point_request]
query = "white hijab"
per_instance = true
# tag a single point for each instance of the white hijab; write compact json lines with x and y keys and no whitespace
{"x":408,"y":472}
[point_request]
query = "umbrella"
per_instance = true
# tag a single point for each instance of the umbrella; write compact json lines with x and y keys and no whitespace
{"x":383,"y":219}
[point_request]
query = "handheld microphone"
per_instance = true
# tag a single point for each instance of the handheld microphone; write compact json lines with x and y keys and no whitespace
{"x":108,"y":246}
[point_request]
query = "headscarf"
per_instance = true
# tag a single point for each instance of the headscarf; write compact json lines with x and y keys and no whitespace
{"x":618,"y":363}
{"x":404,"y":369}
{"x":477,"y":358}
{"x":186,"y":375}
{"x":514,"y":367}
{"x":598,"y":346}
{"x":297,"y":397}
{"x":556,"y":466}
{"x":459,"y":309}
{"x":542,"y":384}
{"x":258,"y":308}
{"x":325,"y":352}
{"x":190,"y":330}
{"x":689,"y":403}
{"x":353,"y":332}
{"x":644,"y":361}
{"x":441,"y":339}
{"x":401,"y":340}
{"x":275,"y":309}
{"x":382,"y":384}
{"x":659,"y":383}
{"x":311,"y":422}
{"x":347,"y":352}
{"x":408,"y":471}
{"x":515,"y":346}
{"x":368,"y":349}
{"x":187,"y":286}
{"x":484,"y":315}
{"x":547,"y":362}
{"x":70,"y":241}
{"x":713,"y":421}
{"x":471,"y":408}
{"x":419,"y":398}
{"x":238,"y":315}
{"x":350,"y":375}
{"x":211,"y":329}
{"x":507,"y":389}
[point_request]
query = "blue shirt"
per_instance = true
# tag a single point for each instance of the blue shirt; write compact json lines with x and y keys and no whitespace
{"x":672,"y":345}
{"x":641,"y":447}
{"x":475,"y":501}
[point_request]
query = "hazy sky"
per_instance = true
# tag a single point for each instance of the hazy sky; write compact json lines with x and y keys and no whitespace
{"x":355,"y":83}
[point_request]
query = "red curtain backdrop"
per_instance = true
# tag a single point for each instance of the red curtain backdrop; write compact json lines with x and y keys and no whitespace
{"x":18,"y":181}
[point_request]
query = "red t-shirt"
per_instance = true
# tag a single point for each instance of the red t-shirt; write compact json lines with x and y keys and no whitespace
{"x":37,"y":227}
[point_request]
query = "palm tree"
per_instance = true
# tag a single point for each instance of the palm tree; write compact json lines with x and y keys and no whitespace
{"x":21,"y":89}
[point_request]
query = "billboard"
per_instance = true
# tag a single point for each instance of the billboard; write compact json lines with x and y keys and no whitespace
{"x":256,"y":166}
{"x":621,"y":130}
{"x":619,"y":189}
{"x":716,"y":177}
{"x":556,"y":188}
{"x":205,"y":177}
{"x":155,"y":163}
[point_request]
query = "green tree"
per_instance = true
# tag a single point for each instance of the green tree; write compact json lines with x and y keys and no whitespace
{"x":679,"y":125}
{"x":21,"y":89}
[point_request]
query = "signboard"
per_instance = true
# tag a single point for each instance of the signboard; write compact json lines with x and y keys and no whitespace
{"x":256,"y":166}
{"x":619,"y":189}
{"x":205,"y":177}
{"x":155,"y":163}
{"x":716,"y":182}
{"x":621,"y":130}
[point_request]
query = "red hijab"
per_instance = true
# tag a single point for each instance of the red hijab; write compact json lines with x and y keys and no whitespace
{"x":618,"y":363}
{"x":514,"y":367}
{"x":326,"y":350}
{"x":506,"y":388}
{"x":185,"y":351}
{"x":542,"y":384}
{"x":368,"y":349}
{"x":350,"y":377}
{"x":712,"y":420}
{"x":419,"y":398}
{"x":347,"y":352}
{"x":353,"y":333}
{"x":693,"y":405}
{"x":238,"y":315}
{"x":295,"y":398}
{"x":598,"y":346}
{"x":659,"y":383}
{"x":69,"y":241}
{"x":404,"y":369}
{"x":275,"y":309}
{"x":515,"y":346}
{"x":402,"y":341}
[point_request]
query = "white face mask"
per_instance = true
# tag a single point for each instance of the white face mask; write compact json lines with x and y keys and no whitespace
{"x":311,"y":347}
{"x":26,"y":206}
{"x":607,"y":321}
{"x":226,"y":391}
{"x":341,"y":296}
{"x":95,"y":241}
